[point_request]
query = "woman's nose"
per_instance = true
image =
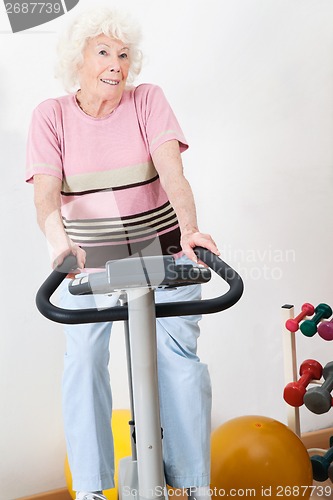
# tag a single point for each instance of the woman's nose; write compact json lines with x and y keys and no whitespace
{"x":114,"y":66}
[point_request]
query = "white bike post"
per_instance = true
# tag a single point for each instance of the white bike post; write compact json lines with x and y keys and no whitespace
{"x":141,"y":476}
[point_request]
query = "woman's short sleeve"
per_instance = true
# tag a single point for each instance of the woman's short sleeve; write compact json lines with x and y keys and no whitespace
{"x":158,"y":119}
{"x":43,"y":146}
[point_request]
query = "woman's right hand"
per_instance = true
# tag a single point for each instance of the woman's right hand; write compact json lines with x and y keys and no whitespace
{"x":72,"y":249}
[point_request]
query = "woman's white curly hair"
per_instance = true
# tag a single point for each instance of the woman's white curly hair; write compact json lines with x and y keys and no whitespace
{"x":91,"y":23}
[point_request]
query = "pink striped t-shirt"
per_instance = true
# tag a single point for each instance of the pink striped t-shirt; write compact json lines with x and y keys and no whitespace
{"x":113,"y":204}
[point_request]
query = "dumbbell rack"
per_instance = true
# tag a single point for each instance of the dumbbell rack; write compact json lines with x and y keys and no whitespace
{"x":321,"y":459}
{"x":290,"y":367}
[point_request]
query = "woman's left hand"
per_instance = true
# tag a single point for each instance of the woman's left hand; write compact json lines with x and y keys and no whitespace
{"x":190,"y":239}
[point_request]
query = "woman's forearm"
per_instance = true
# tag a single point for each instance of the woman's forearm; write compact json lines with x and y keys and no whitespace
{"x":47,"y":203}
{"x":181,"y":198}
{"x":49,"y":218}
{"x":168,"y":164}
{"x":50,"y":222}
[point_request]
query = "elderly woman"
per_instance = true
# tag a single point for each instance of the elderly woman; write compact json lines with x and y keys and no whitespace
{"x":108,"y":182}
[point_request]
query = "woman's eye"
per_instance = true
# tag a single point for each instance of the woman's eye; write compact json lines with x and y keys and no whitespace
{"x":102,"y":52}
{"x":123,"y":56}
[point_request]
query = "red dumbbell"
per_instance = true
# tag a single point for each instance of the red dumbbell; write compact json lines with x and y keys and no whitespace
{"x":293,"y":324}
{"x":325,"y":330}
{"x":294,"y":392}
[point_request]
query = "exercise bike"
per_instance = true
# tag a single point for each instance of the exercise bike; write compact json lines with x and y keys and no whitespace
{"x":141,"y":476}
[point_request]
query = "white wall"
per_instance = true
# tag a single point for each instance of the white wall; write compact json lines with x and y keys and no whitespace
{"x":252,"y":85}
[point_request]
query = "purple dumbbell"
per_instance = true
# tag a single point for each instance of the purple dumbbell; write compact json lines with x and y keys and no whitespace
{"x":325,"y":330}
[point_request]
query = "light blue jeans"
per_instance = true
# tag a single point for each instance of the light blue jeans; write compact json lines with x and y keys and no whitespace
{"x":184,"y":388}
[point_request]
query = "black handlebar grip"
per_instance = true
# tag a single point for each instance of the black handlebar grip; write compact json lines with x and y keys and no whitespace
{"x":69,"y":264}
{"x":49,"y":287}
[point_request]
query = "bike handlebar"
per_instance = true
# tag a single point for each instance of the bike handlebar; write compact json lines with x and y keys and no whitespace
{"x":120,"y":313}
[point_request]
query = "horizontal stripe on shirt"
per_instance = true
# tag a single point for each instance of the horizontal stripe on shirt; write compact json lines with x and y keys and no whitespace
{"x":120,"y":178}
{"x":128,"y":228}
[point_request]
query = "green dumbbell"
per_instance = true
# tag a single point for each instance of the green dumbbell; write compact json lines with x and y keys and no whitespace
{"x":309,"y":326}
{"x":322,"y":465}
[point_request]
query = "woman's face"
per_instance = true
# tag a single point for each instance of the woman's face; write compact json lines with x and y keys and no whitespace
{"x":105,"y":67}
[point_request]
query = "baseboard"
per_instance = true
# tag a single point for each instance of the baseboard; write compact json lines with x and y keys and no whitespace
{"x":61,"y":494}
{"x":315,"y":439}
{"x":318,"y":439}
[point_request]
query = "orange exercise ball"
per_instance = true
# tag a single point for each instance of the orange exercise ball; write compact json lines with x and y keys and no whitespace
{"x":122,"y":449}
{"x":259,"y":457}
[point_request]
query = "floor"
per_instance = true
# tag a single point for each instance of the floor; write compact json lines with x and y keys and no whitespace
{"x":320,"y":490}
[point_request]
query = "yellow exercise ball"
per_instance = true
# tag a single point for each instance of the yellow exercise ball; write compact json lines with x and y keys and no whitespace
{"x":259,"y":457}
{"x":122,"y":449}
